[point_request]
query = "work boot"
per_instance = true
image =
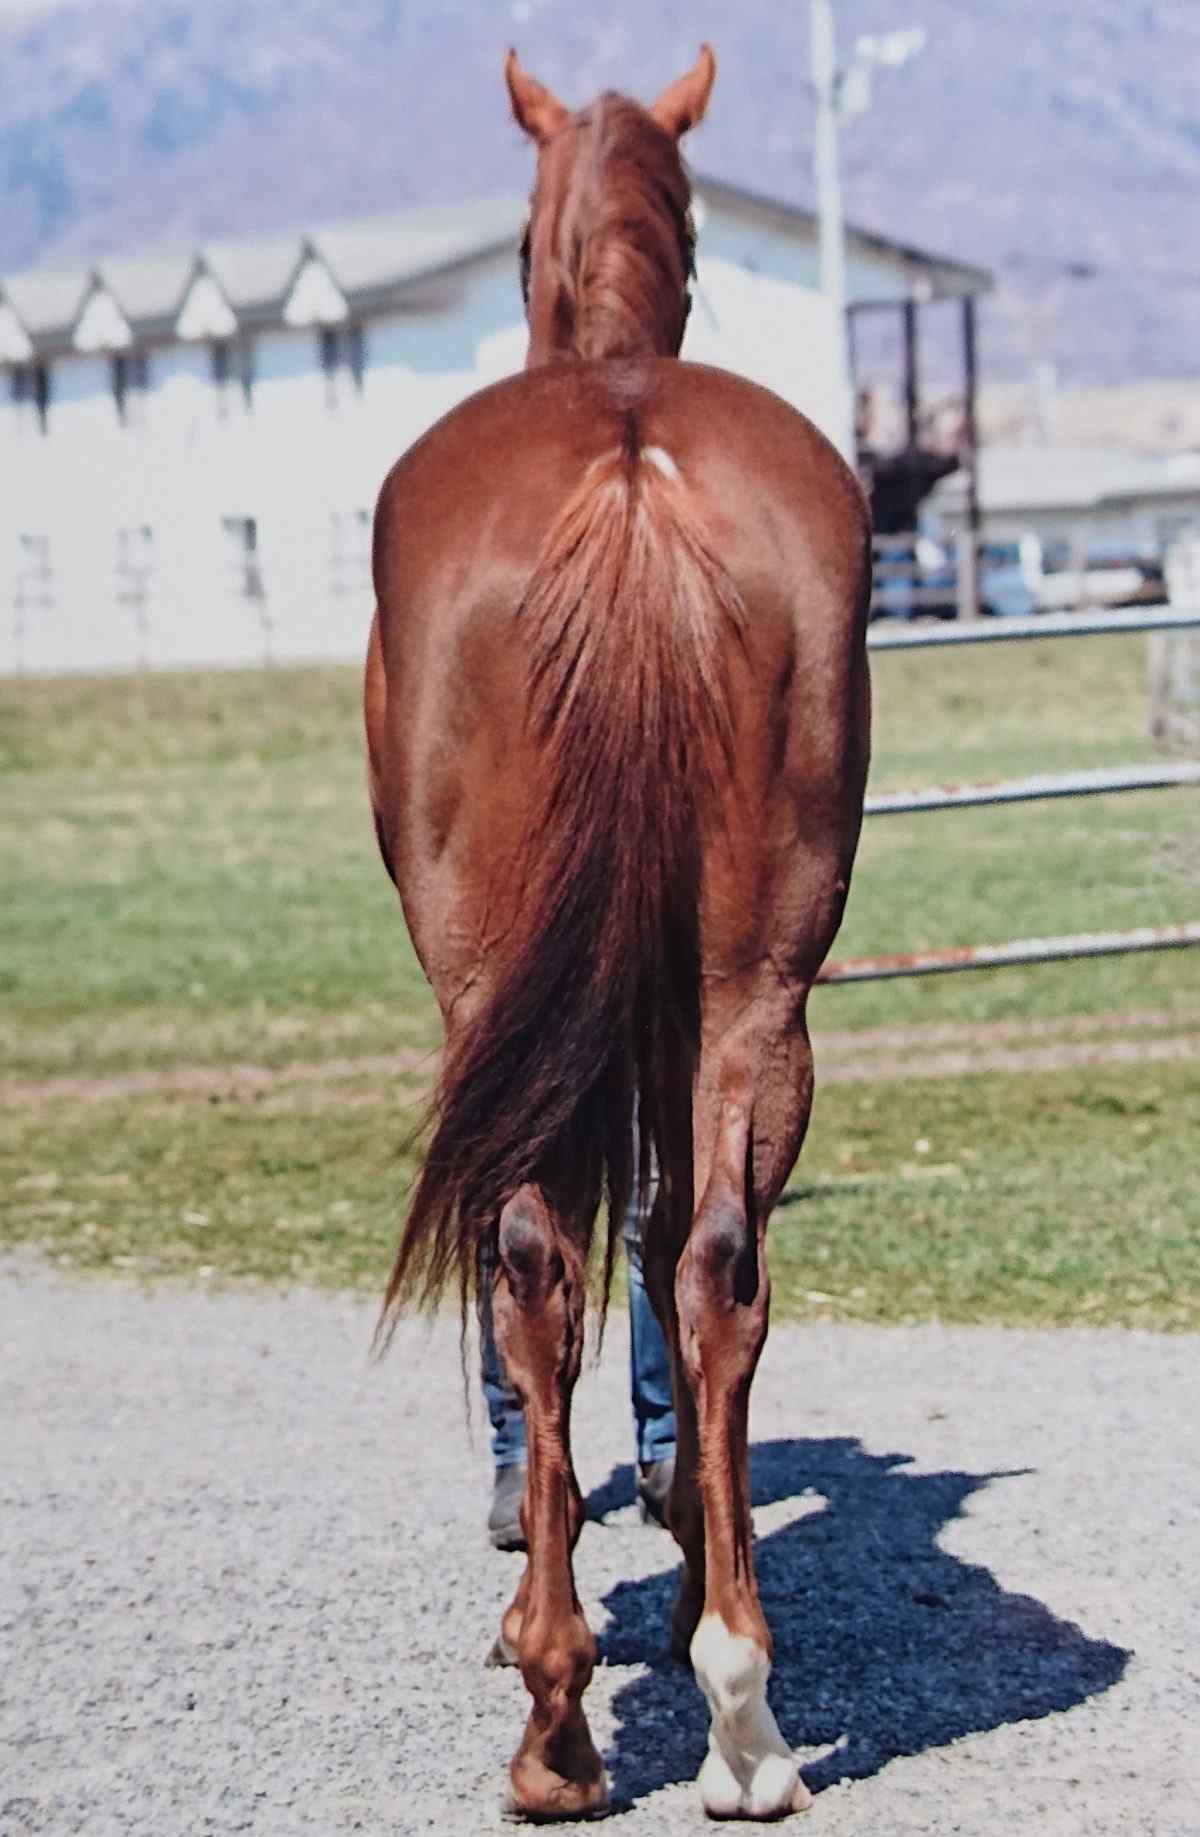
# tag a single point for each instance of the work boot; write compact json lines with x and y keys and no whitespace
{"x":653,"y":1484}
{"x":504,"y":1519}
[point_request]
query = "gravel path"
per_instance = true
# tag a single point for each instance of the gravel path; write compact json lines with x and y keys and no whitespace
{"x":245,"y":1585}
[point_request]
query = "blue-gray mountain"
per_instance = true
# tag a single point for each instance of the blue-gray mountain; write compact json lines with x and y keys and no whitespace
{"x":1056,"y":142}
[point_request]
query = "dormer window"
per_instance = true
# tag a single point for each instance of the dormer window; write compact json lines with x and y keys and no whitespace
{"x":31,"y":395}
{"x":129,"y":379}
{"x":232,"y":369}
{"x":343,"y":361}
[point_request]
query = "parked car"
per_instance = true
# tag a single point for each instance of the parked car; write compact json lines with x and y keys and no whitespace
{"x":1110,"y":575}
{"x":919,"y":579}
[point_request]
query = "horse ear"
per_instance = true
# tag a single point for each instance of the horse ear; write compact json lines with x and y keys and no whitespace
{"x":538,"y":112}
{"x":682,"y":106}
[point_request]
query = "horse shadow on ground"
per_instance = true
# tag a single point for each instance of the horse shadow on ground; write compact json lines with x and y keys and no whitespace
{"x":885,"y":1645}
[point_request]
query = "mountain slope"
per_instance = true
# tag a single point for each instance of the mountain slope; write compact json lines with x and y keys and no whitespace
{"x":1056,"y":144}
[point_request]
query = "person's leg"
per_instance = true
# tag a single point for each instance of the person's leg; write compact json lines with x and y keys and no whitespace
{"x":507,"y":1421}
{"x":649,"y":1372}
{"x":650,"y":1365}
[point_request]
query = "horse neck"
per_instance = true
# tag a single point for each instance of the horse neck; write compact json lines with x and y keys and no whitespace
{"x":611,"y":278}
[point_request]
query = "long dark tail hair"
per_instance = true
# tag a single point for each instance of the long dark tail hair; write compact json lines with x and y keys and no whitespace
{"x":627,"y":620}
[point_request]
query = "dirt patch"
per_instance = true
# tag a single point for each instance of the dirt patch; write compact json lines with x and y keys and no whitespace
{"x":233,"y":1083}
{"x":1154,"y":1036}
{"x":957,"y":1049}
{"x":1054,"y":1056}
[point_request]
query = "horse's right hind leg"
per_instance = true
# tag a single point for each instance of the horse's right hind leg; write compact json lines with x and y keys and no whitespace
{"x":751,"y":1114}
{"x":538,"y":1311}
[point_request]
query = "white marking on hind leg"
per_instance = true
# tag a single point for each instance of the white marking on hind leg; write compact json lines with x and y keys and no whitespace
{"x":658,"y":456}
{"x":749,"y":1771}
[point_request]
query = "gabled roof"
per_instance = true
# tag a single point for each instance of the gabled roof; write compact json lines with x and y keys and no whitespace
{"x":377,"y":262}
{"x":372,"y":255}
{"x":47,"y":302}
{"x":16,"y":346}
{"x":101,"y":325}
{"x":255,"y":273}
{"x":148,"y":288}
{"x":204,"y":311}
{"x":315,"y":297}
{"x":937,"y":277}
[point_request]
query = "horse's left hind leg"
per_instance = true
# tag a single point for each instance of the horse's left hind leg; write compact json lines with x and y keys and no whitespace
{"x":538,"y":1311}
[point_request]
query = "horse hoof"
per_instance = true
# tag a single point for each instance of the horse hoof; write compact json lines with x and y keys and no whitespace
{"x":775,"y":1790}
{"x":573,"y":1806}
{"x":501,"y":1655}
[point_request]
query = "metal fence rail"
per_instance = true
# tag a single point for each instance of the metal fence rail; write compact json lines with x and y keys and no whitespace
{"x":1102,"y":782}
{"x":1074,"y":784}
{"x":882,"y":636}
{"x":1023,"y":950}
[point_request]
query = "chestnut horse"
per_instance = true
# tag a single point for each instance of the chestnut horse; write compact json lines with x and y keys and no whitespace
{"x":617,"y":715}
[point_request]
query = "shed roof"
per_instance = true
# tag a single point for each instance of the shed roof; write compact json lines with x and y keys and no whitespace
{"x":1016,"y":480}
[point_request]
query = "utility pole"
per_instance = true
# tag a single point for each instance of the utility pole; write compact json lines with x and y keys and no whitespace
{"x":828,"y":174}
{"x":839,"y":91}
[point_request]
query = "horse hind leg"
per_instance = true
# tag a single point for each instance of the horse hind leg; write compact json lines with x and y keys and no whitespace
{"x":722,"y":1295}
{"x":375,"y":723}
{"x":538,"y":1312}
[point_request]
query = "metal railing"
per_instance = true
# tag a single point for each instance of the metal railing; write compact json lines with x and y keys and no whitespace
{"x":1020,"y":950}
{"x":1101,"y":782}
{"x":1042,"y":625}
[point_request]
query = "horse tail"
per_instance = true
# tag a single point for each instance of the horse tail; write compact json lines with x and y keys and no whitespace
{"x":627,"y":622}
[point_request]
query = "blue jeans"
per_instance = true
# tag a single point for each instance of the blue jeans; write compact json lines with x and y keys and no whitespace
{"x":649,"y":1368}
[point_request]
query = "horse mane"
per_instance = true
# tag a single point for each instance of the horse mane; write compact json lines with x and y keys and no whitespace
{"x":621,"y":248}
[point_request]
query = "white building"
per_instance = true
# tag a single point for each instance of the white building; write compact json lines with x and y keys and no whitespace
{"x":191,"y":446}
{"x":1089,"y":498}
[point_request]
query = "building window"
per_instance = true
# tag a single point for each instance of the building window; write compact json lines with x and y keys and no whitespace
{"x":350,"y":555}
{"x":245,"y":367}
{"x":245,"y":566}
{"x":135,"y":572}
{"x":31,"y":395}
{"x":130,"y":375}
{"x":343,"y":360}
{"x":33,"y":586}
{"x":232,"y":369}
{"x":222,"y":370}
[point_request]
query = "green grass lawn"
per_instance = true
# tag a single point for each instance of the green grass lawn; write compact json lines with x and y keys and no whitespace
{"x":190,"y":877}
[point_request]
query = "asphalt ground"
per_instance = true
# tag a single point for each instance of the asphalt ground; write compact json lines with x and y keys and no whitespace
{"x":245,"y":1584}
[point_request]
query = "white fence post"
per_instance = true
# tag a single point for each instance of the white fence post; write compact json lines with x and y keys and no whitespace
{"x":1174,"y":659}
{"x":968,"y":574}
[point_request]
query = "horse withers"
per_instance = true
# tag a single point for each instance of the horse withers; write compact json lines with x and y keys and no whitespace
{"x":617,"y":714}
